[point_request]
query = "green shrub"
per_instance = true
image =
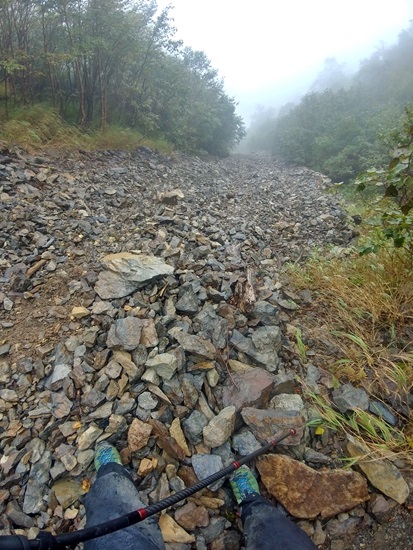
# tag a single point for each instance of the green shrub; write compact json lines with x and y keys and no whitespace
{"x":396,"y":185}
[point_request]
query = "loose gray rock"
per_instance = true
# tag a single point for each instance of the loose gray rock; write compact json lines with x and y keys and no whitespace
{"x":268,"y":358}
{"x":36,"y":487}
{"x":347,"y":397}
{"x":125,"y":334}
{"x":147,"y":401}
{"x":287,"y":402}
{"x":60,"y":405}
{"x":59,"y":374}
{"x":193,"y":344}
{"x":214,"y":530}
{"x":206,"y":465}
{"x":4,"y":372}
{"x":10,"y":396}
{"x":377,"y":408}
{"x":267,"y":313}
{"x":125,"y":272}
{"x":244,"y":442}
{"x":214,"y":326}
{"x":188,"y":301}
{"x":165,"y":365}
{"x":17,"y":516}
{"x":193,"y":426}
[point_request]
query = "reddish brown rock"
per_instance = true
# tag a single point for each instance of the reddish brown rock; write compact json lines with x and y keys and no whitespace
{"x":307,"y":493}
{"x":270,"y":424}
{"x":249,"y":389}
{"x":138,"y":435}
{"x":149,"y":336}
{"x":190,"y":516}
{"x":188,"y":476}
{"x":166,"y":442}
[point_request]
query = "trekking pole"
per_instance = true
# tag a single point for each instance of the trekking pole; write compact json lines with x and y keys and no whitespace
{"x":46,"y":541}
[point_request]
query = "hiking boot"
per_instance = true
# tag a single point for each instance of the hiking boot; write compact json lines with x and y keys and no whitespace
{"x":105,"y":453}
{"x":243,"y":484}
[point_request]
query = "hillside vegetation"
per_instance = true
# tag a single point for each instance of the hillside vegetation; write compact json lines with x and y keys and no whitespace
{"x":344,"y":125}
{"x":97,"y":63}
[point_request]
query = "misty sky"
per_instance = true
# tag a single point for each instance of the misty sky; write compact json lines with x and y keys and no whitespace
{"x":266,"y":48}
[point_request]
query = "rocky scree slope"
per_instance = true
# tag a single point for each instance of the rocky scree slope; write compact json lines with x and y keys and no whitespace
{"x":141,"y":303}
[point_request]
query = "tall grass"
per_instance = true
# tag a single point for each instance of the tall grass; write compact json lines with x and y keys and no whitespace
{"x":363,"y":334}
{"x":372,"y":293}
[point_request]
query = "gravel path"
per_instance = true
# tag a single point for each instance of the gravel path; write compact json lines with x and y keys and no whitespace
{"x":174,"y":369}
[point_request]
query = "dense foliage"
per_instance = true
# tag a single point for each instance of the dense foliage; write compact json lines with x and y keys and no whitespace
{"x":99,"y":62}
{"x":340,"y":127}
{"x":396,"y":183}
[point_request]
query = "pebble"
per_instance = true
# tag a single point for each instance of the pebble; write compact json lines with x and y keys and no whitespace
{"x":220,"y":428}
{"x":205,"y":465}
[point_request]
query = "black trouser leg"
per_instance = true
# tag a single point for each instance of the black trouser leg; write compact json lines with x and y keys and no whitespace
{"x":266,"y":528}
{"x":112,"y":495}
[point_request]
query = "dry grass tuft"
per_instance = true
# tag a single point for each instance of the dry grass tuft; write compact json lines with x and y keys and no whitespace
{"x":364,"y":334}
{"x":38,"y":127}
{"x":388,"y":441}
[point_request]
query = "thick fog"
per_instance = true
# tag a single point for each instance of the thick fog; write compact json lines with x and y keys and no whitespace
{"x":270,"y":52}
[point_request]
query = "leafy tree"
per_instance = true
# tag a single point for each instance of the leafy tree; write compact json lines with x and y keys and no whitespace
{"x":106,"y":62}
{"x":396,"y":182}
